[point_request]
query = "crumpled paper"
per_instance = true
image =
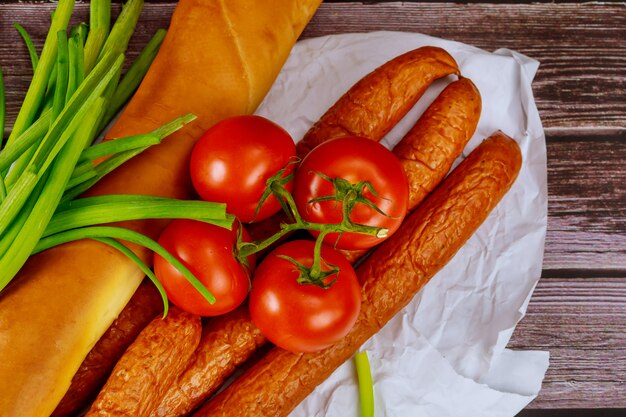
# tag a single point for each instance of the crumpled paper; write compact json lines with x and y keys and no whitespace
{"x":444,"y":354}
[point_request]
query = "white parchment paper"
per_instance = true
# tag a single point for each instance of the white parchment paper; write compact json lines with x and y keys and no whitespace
{"x":444,"y":354}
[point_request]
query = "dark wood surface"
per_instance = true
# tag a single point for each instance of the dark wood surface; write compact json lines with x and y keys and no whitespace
{"x":578,"y":311}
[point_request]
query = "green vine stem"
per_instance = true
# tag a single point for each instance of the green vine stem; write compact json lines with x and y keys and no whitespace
{"x":314,"y":274}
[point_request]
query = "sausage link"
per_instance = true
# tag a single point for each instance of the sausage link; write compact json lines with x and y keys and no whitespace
{"x":390,"y":278}
{"x":429,"y":149}
{"x":379,"y":100}
{"x":143,"y":374}
{"x":227,"y":342}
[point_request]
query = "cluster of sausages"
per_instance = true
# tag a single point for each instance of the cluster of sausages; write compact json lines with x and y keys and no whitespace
{"x":174,"y":365}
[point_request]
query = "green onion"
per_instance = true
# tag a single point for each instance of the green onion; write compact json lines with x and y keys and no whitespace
{"x":16,"y":198}
{"x":141,"y":264}
{"x":55,"y":140}
{"x":76,"y":65}
{"x":37,"y":88}
{"x":32,"y":135}
{"x":108,"y":209}
{"x":3,"y":108}
{"x":13,"y":230}
{"x":80,"y":31}
{"x":60,"y":171}
{"x":366,"y":388}
{"x":62,"y":74}
{"x":135,"y":73}
{"x":99,"y":25}
{"x":89,"y":90}
{"x":32,"y":52}
{"x":130,"y":236}
{"x":111,"y":147}
{"x":123,"y":28}
{"x":119,"y":158}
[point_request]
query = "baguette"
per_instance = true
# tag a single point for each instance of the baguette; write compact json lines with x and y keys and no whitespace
{"x":390,"y":278}
{"x":144,"y":306}
{"x":218,"y":59}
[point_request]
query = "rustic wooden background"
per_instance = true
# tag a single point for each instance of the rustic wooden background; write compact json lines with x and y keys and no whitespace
{"x":578,"y":311}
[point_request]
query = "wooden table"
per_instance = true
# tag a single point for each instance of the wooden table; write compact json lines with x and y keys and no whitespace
{"x":578,"y":311}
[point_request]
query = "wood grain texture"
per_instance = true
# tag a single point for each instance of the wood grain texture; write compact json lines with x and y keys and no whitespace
{"x":582,"y":322}
{"x":578,"y":311}
{"x":586,"y":203}
{"x":581,"y":83}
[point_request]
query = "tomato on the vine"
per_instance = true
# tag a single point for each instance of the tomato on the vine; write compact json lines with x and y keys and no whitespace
{"x":208,"y":251}
{"x":356,"y":160}
{"x":304,"y":317}
{"x":233,"y":160}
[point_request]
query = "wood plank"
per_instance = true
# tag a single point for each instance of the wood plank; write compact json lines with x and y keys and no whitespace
{"x":582,"y":322}
{"x":586,"y":210}
{"x":581,"y":83}
{"x":586,"y":176}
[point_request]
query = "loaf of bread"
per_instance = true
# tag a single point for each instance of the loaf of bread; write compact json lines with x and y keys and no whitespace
{"x":218,"y":59}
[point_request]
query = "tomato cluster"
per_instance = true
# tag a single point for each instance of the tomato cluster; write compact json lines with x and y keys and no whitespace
{"x":350,"y":193}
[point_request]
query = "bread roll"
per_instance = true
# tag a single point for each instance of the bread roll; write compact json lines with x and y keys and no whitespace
{"x":218,"y":59}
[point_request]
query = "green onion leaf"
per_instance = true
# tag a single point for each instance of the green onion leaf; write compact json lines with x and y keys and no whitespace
{"x":99,"y":25}
{"x":135,"y":73}
{"x":55,"y":181}
{"x":141,"y":264}
{"x":32,"y":135}
{"x":36,"y":90}
{"x":62,"y":74}
{"x":2,"y":109}
{"x":32,"y":52}
{"x":123,"y":28}
{"x":366,"y":388}
{"x":130,"y":236}
{"x":108,"y":209}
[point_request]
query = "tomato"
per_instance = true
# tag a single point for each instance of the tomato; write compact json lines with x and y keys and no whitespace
{"x":303,"y":317}
{"x":233,"y":160}
{"x":207,"y":251}
{"x":354,"y":159}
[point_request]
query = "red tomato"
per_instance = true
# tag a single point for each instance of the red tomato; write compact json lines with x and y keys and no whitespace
{"x":354,"y":159}
{"x":233,"y":160}
{"x":303,"y":317}
{"x":207,"y":251}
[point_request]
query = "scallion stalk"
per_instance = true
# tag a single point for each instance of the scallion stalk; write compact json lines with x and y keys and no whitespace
{"x":112,"y":147}
{"x":54,"y":142}
{"x":32,"y":135}
{"x":90,"y":89}
{"x":3,"y":109}
{"x":108,"y":209}
{"x":366,"y":388}
{"x":141,"y":264}
{"x":30,"y":233}
{"x":99,"y":25}
{"x":135,"y":73}
{"x":60,"y":90}
{"x":123,"y":28}
{"x":127,"y":235}
{"x":117,"y":159}
{"x":36,"y":91}
{"x":32,"y":52}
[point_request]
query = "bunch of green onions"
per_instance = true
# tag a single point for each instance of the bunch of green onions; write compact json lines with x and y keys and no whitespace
{"x":48,"y":159}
